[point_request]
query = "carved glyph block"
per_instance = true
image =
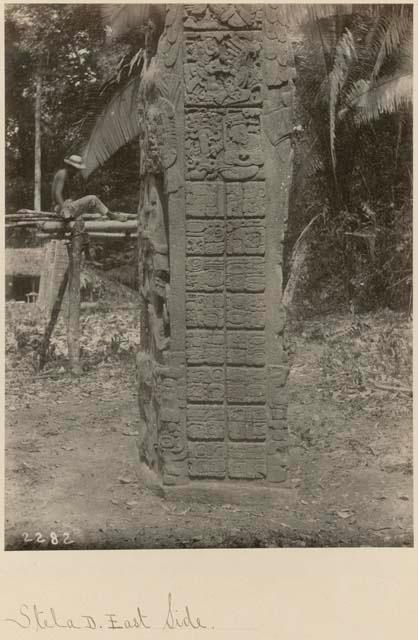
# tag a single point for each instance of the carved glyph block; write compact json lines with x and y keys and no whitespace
{"x":245,"y":200}
{"x":245,"y":237}
{"x":223,"y":143}
{"x":204,"y":274}
{"x":247,"y":461}
{"x":207,"y":459}
{"x":245,"y":385}
{"x":204,"y":200}
{"x":245,"y":311}
{"x":205,"y":422}
{"x":205,"y":237}
{"x":205,"y":346}
{"x":247,"y":422}
{"x":245,"y":274}
{"x":205,"y":310}
{"x":206,"y":384}
{"x":246,"y":347}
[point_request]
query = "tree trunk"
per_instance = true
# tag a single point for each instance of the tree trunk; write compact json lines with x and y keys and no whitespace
{"x":38,"y":97}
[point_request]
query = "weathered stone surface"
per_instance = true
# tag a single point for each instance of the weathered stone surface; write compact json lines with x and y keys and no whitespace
{"x":206,"y":384}
{"x":247,"y":461}
{"x":245,"y":385}
{"x":207,"y":459}
{"x":277,"y":377}
{"x":280,"y":412}
{"x":205,"y":237}
{"x":205,"y":422}
{"x":207,"y":468}
{"x":204,"y":274}
{"x":223,"y":143}
{"x":245,"y":311}
{"x":215,"y":109}
{"x":205,"y":346}
{"x":205,"y":200}
{"x":245,"y":347}
{"x":245,"y":200}
{"x":222,"y":16}
{"x":277,"y":461}
{"x":277,"y":69}
{"x":279,"y":432}
{"x":222,"y":68}
{"x":247,"y":422}
{"x":245,"y":274}
{"x":205,"y":310}
{"x":245,"y":237}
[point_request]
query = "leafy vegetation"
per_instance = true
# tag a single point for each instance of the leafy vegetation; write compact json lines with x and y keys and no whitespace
{"x":353,"y":168}
{"x":351,"y":206}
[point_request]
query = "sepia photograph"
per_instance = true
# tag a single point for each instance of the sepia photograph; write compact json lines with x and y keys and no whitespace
{"x":208,"y":276}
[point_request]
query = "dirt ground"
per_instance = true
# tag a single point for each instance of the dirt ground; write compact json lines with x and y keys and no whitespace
{"x":71,"y":464}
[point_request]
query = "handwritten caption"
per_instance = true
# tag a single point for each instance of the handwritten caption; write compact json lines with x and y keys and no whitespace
{"x":31,"y":616}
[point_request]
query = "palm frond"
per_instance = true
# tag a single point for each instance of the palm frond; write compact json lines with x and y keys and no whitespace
{"x":369,"y":101}
{"x":390,"y":34}
{"x":120,"y":18}
{"x":293,"y":14}
{"x":345,"y":53}
{"x":115,"y":126}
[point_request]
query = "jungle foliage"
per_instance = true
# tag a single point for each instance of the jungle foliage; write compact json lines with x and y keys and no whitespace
{"x":350,"y":219}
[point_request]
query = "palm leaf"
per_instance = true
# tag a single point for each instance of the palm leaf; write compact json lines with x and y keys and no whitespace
{"x":369,"y":101}
{"x":123,"y":17}
{"x":293,"y":14}
{"x":390,"y":35}
{"x":115,"y":126}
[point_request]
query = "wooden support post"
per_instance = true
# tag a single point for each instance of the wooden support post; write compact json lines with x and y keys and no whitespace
{"x":43,"y":350}
{"x":73,"y":328}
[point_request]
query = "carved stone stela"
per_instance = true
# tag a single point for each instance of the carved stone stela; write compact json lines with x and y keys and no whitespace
{"x":215,"y":109}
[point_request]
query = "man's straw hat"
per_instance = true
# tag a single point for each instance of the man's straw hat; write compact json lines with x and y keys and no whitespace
{"x":75,"y":161}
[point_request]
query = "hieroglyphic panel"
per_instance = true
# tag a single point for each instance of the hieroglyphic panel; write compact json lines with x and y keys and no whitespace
{"x":238,"y":124}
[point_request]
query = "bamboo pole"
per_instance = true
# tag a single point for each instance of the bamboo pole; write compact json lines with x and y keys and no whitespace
{"x":36,"y":214}
{"x":90,"y":225}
